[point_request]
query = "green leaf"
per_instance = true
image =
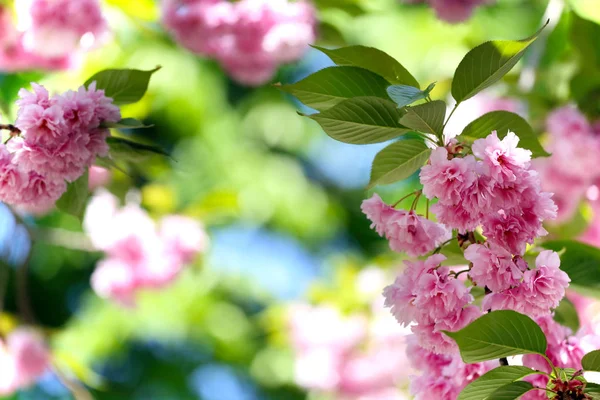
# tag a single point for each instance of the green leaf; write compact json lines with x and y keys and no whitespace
{"x":591,"y":361}
{"x":127,"y":150}
{"x":330,"y":86}
{"x":566,"y":314}
{"x":398,"y":161}
{"x":592,"y":389}
{"x":493,"y":380}
{"x":427,"y":118}
{"x":512,"y":391}
{"x":486,"y":64}
{"x":580,"y":261}
{"x":124,"y":86}
{"x":587,"y":9}
{"x":404,"y":95}
{"x":502,"y":122}
{"x":126,"y":123}
{"x":374,"y":60}
{"x":362,"y":120}
{"x":74,"y":199}
{"x":499,"y":334}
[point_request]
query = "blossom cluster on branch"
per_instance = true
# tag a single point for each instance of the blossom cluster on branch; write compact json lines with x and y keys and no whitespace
{"x":47,"y":34}
{"x":492,"y":189}
{"x":59,"y":137}
{"x":139,"y":254}
{"x":249,"y":38}
{"x":453,"y":11}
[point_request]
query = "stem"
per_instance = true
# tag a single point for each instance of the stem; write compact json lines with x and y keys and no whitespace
{"x":450,"y":115}
{"x":77,"y":389}
{"x":427,"y":211}
{"x":503,"y":361}
{"x":416,"y":200}
{"x":404,"y":198}
{"x":456,"y":274}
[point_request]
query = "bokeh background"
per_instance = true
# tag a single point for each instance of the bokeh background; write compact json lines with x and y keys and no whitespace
{"x":279,"y":199}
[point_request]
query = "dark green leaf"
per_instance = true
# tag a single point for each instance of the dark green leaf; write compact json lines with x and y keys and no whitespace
{"x":127,"y":150}
{"x":124,"y":86}
{"x":74,"y":199}
{"x":493,"y":380}
{"x":591,"y":361}
{"x":580,"y":261}
{"x":330,"y":86}
{"x":427,"y":118}
{"x":486,"y":64}
{"x":502,"y":122}
{"x":499,"y":334}
{"x":512,"y":391}
{"x":126,"y":123}
{"x":566,"y":314}
{"x":362,"y":120}
{"x":398,"y":161}
{"x":374,"y":60}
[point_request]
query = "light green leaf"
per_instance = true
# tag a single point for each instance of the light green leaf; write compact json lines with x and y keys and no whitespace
{"x":126,"y":123}
{"x":127,"y":150}
{"x":566,"y":314}
{"x":499,"y":334}
{"x":502,"y":122}
{"x":374,"y":60}
{"x":398,"y":161}
{"x":362,"y":120}
{"x":330,"y":86}
{"x":486,"y":64}
{"x":427,"y":118}
{"x":580,"y":261}
{"x":512,"y":391}
{"x":493,"y":380}
{"x":404,"y":95}
{"x":591,"y":361}
{"x":588,"y":9}
{"x":74,"y":199}
{"x":124,"y":86}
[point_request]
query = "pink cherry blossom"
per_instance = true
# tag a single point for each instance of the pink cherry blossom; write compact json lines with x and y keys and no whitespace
{"x":493,"y":267}
{"x":555,"y":332}
{"x":24,"y":358}
{"x":455,"y":11}
{"x":249,"y":38}
{"x":378,"y":212}
{"x":546,"y":284}
{"x":567,"y":121}
{"x":447,"y":179}
{"x":502,"y":157}
{"x":98,"y":177}
{"x":139,"y":254}
{"x":400,"y":296}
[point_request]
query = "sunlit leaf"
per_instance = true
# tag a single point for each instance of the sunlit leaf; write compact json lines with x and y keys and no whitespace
{"x":398,"y":161}
{"x":127,"y":150}
{"x":591,"y":361}
{"x":74,"y":199}
{"x":124,"y":86}
{"x":483,"y":387}
{"x":566,"y":314}
{"x":512,"y":391}
{"x":579,"y":260}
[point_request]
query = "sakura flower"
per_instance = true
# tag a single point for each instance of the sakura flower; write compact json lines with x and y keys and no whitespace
{"x":400,"y":296}
{"x":184,"y":237}
{"x":455,"y":11}
{"x":432,"y":387}
{"x":546,"y":284}
{"x":447,"y":179}
{"x":567,"y":121}
{"x":24,"y":358}
{"x":502,"y":157}
{"x":378,"y":212}
{"x":493,"y":267}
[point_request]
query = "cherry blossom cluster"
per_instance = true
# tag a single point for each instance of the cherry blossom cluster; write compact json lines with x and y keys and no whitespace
{"x":572,"y":172}
{"x":48,"y":33}
{"x":249,"y":38}
{"x":138,"y":253}
{"x":60,"y":137}
{"x":489,"y":188}
{"x":453,"y":11}
{"x":351,"y":355}
{"x":24,"y":358}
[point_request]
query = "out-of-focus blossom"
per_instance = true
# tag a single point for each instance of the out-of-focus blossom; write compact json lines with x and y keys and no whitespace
{"x":249,"y":38}
{"x":48,"y":34}
{"x":24,"y":358}
{"x":139,"y":254}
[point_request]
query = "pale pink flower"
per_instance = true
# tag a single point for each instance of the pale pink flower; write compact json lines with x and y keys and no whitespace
{"x":413,"y":234}
{"x":183,"y":237}
{"x":115,"y":279}
{"x":546,"y":284}
{"x":455,"y":11}
{"x":40,"y":192}
{"x":98,"y":177}
{"x":432,"y":387}
{"x":54,"y":28}
{"x":425,"y":360}
{"x":567,"y":121}
{"x":438,"y":295}
{"x":502,"y":157}
{"x":318,"y":369}
{"x":493,"y":267}
{"x":378,"y":212}
{"x":447,"y":179}
{"x":400,"y":296}
{"x":555,"y":332}
{"x":30,"y":354}
{"x":457,"y":216}
{"x":512,"y":231}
